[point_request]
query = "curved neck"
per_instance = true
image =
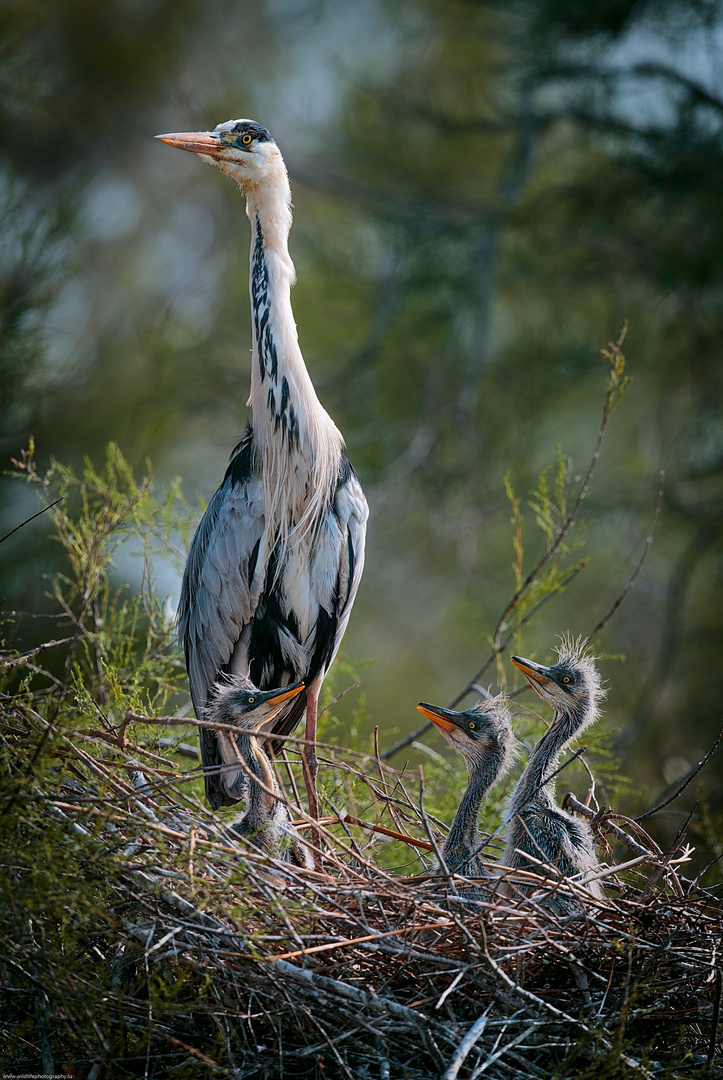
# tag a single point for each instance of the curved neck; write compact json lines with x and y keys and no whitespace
{"x":463,"y":835}
{"x":297,"y":443}
{"x":533,"y":786}
{"x":260,"y":806}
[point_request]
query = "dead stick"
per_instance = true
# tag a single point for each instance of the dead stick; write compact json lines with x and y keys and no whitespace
{"x":571,"y":803}
{"x":349,"y":819}
{"x":356,"y":941}
{"x":411,"y":840}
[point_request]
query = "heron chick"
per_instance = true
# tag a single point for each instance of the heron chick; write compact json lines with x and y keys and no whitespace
{"x":538,"y":827}
{"x":266,"y":821}
{"x":483,"y":736}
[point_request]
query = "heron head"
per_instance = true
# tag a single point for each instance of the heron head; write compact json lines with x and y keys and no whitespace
{"x":475,"y":733}
{"x":572,"y":683}
{"x":242,"y":149}
{"x":241,"y":703}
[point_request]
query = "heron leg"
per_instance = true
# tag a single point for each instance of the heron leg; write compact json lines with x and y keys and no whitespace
{"x":310,"y":767}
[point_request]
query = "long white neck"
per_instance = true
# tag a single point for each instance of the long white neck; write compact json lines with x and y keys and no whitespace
{"x":298,"y":445}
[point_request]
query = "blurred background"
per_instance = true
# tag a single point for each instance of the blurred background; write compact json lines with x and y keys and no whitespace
{"x":483,"y":193}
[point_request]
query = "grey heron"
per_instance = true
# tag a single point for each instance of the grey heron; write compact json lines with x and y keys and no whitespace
{"x":483,"y":736}
{"x":265,"y":821}
{"x":275,"y":565}
{"x":538,"y":827}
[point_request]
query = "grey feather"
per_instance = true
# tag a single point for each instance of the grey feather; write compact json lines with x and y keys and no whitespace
{"x":220,"y":602}
{"x":538,"y":827}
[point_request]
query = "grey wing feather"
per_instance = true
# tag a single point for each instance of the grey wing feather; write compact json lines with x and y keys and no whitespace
{"x":216,"y":601}
{"x":336,"y":570}
{"x":221,"y":593}
{"x":353,"y":512}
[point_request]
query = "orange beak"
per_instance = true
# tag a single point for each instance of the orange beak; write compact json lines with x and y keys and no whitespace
{"x":532,"y":671}
{"x":290,"y":692}
{"x":439,"y":717}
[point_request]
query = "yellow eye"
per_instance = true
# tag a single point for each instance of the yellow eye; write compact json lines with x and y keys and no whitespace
{"x":246,"y":139}
{"x":252,"y":700}
{"x":565,"y":678}
{"x":472,"y":725}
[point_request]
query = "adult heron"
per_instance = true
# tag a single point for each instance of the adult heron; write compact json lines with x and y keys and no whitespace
{"x":483,"y":736}
{"x":538,"y":827}
{"x":275,"y":565}
{"x":265,"y":821}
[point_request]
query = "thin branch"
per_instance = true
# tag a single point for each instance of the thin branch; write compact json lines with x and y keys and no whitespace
{"x":31,"y":518}
{"x":523,"y":622}
{"x":615,"y":389}
{"x":411,"y":840}
{"x":338,"y":697}
{"x":471,"y":1037}
{"x":633,"y":577}
{"x":715,"y":1020}
{"x":15,"y":661}
{"x":690,"y":776}
{"x":614,"y":392}
{"x":472,"y":686}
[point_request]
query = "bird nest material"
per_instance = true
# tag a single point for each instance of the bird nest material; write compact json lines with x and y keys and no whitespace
{"x":199,"y":956}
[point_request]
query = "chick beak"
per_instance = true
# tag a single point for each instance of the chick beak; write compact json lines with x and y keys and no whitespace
{"x":269,"y":705}
{"x":534,"y":673}
{"x":286,"y":694}
{"x":198,"y":142}
{"x":441,"y":718}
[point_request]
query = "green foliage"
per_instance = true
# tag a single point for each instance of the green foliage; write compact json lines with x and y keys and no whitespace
{"x":551,"y":517}
{"x":557,"y":518}
{"x":488,"y":190}
{"x":105,"y":836}
{"x":121,"y":651}
{"x":485,"y":200}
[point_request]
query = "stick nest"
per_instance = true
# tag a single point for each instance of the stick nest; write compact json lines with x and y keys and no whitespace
{"x":157,"y":946}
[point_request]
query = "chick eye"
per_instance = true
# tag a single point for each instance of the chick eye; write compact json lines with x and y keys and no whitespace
{"x":565,"y":678}
{"x":472,"y":725}
{"x":247,"y":139}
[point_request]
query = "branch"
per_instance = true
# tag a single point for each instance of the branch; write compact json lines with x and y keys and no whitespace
{"x":470,"y":1038}
{"x":472,"y":685}
{"x":616,"y":387}
{"x":633,"y":577}
{"x":31,"y":518}
{"x":412,"y":841}
{"x":604,"y":824}
{"x":16,"y":661}
{"x":690,"y":776}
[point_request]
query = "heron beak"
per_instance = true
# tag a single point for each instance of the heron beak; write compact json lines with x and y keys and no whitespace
{"x":534,"y":673}
{"x":285,"y":695}
{"x":444,"y":719}
{"x":268,"y":706}
{"x":198,"y":142}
